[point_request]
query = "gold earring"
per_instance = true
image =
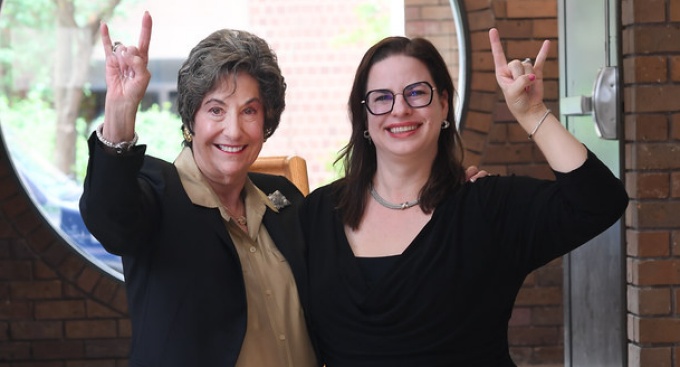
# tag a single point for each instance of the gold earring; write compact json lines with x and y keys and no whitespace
{"x":187,"y":135}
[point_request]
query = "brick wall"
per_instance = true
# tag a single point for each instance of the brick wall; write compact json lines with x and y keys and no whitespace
{"x":56,"y":310}
{"x":651,"y":72}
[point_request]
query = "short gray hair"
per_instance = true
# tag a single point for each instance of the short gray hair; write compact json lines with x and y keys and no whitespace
{"x":228,"y":52}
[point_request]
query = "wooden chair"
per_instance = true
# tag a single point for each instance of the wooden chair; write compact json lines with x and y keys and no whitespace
{"x":293,"y":168}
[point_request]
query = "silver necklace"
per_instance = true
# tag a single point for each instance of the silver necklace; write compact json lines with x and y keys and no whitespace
{"x":388,"y":205}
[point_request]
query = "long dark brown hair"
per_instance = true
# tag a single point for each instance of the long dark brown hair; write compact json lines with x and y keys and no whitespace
{"x":359,"y":156}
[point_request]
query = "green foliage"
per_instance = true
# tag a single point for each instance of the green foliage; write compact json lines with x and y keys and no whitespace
{"x":28,"y":126}
{"x":35,"y":14}
{"x":375,"y":23}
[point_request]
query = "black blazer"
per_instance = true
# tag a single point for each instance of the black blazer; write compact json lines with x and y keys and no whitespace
{"x":183,"y":276}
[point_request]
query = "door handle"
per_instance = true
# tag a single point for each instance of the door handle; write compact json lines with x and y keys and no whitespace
{"x":603,"y":104}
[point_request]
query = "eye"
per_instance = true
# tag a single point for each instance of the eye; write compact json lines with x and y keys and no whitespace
{"x":416,"y":90}
{"x":381,"y":97}
{"x":215,"y":110}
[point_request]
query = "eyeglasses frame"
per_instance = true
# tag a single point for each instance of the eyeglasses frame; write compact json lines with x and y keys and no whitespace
{"x":394,"y":97}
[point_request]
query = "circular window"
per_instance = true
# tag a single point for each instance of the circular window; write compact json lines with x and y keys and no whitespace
{"x":51,"y":69}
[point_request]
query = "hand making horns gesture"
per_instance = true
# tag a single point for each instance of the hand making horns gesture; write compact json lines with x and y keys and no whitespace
{"x":520,"y":81}
{"x":522,"y":86}
{"x":127,"y":78}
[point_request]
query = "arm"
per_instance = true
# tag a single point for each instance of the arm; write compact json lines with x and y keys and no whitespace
{"x":522,"y":86}
{"x":115,"y":206}
{"x":127,"y":78}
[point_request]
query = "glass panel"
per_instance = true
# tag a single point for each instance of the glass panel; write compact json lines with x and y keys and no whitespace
{"x":51,"y":70}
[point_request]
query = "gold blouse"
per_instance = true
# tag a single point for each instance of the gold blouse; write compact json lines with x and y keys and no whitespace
{"x":276,"y":333}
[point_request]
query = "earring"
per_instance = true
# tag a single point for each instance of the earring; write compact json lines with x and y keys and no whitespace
{"x":367,"y":136}
{"x":445,"y":125}
{"x":187,"y":134}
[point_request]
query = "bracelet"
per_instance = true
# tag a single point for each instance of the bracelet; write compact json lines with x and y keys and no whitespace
{"x":539,"y":124}
{"x":121,"y":147}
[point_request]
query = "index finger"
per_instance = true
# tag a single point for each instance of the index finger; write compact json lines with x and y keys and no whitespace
{"x":106,"y":39}
{"x":497,"y":49}
{"x":145,"y":35}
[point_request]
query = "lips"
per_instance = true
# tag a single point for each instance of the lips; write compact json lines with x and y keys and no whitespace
{"x":230,"y":149}
{"x":402,"y":129}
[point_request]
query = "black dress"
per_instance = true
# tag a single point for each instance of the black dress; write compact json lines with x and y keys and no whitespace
{"x":447,"y":299}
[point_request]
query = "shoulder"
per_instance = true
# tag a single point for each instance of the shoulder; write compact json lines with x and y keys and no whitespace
{"x":271,"y":183}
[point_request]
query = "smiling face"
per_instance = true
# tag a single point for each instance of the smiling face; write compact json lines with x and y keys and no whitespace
{"x":228,"y":131}
{"x":405,"y":131}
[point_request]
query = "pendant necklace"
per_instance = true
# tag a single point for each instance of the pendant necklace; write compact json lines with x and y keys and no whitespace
{"x":387,"y":204}
{"x":240,"y":220}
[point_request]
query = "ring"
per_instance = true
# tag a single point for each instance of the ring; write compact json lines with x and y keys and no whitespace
{"x":527,"y":60}
{"x":115,"y":46}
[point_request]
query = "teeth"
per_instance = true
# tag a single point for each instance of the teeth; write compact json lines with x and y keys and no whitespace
{"x":402,"y":129}
{"x":229,"y":149}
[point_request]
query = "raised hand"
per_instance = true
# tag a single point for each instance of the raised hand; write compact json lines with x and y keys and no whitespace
{"x":127,"y":78}
{"x":520,"y":81}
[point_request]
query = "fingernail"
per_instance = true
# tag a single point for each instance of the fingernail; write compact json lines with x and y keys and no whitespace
{"x":532,"y":77}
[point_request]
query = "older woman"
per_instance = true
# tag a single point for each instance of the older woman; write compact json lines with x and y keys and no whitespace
{"x":210,"y":261}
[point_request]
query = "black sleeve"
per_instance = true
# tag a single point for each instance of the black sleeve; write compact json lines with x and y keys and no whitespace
{"x":117,"y":205}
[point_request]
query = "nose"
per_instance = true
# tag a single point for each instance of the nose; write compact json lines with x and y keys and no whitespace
{"x":231,"y":125}
{"x":400,"y":105}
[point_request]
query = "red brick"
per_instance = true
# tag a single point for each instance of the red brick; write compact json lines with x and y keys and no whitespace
{"x":655,"y":330}
{"x":93,"y":363}
{"x":58,"y":349}
{"x":539,"y":296}
{"x":655,"y":156}
{"x":655,"y":272}
{"x":651,"y":98}
{"x":508,"y":154}
{"x":12,"y":351}
{"x":98,"y":310}
{"x":648,"y":185}
{"x":547,"y":316}
{"x":531,"y":9}
{"x":674,"y":16}
{"x":675,"y":243}
{"x":44,"y":272}
{"x":36,"y":330}
{"x":35,"y":290}
{"x":648,"y":243}
{"x":646,"y":69}
{"x":650,"y":356}
{"x":107,"y":348}
{"x":15,"y":270}
{"x":675,"y":127}
{"x":61,"y":309}
{"x":90,"y":329}
{"x":474,"y":141}
{"x":655,"y":38}
{"x":545,"y":28}
{"x":647,"y":127}
{"x":649,"y":301}
{"x":655,"y":214}
{"x":521,"y":316}
{"x":534,"y":335}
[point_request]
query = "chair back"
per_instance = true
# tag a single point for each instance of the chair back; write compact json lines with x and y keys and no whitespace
{"x":293,"y":168}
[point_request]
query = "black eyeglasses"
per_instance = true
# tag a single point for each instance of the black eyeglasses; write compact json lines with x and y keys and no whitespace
{"x":381,"y":101}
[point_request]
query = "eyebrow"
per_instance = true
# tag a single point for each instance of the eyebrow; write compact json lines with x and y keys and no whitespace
{"x":221,"y":102}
